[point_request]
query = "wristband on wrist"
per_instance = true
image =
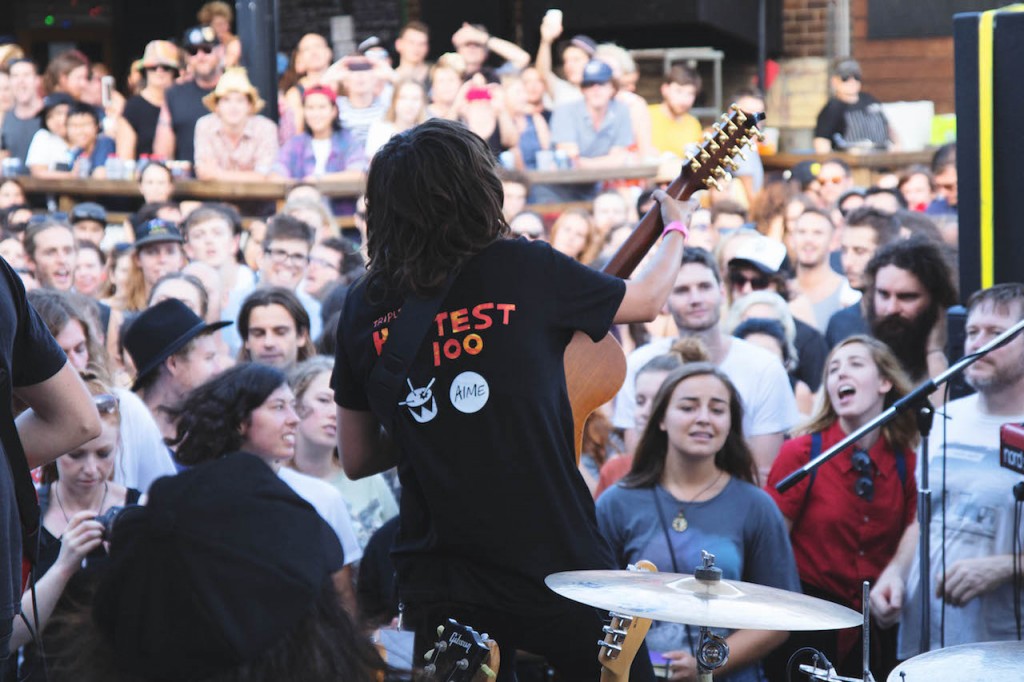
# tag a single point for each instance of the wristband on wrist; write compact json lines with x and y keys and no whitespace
{"x":676,"y":226}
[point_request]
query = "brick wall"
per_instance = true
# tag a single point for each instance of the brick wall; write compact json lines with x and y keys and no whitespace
{"x":804,"y":28}
{"x":906,"y":69}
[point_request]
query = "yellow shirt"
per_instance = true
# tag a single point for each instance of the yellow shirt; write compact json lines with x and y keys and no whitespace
{"x":672,"y":135}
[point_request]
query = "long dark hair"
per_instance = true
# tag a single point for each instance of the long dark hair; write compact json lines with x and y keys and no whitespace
{"x":433,"y":200}
{"x":734,"y":458}
{"x":211,"y":415}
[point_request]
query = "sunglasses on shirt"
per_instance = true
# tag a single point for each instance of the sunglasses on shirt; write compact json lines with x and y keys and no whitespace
{"x":864,"y":486}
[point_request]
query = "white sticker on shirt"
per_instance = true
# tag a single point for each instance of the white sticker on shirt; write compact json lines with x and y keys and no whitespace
{"x":420,"y":402}
{"x":469,"y":392}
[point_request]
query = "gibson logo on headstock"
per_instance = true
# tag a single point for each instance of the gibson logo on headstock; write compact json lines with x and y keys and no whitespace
{"x":455,"y":639}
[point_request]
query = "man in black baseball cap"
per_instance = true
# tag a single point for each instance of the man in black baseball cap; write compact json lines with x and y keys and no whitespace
{"x":89,"y":222}
{"x":851,"y":118}
{"x":174,"y":351}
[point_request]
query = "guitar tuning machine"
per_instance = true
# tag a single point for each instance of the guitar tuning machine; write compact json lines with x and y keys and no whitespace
{"x":440,"y":630}
{"x":723,"y":137}
{"x":741,"y":117}
{"x":714,"y":146}
{"x":712,"y":182}
{"x":462,"y":664}
{"x":731,"y":164}
{"x":695,"y":165}
{"x":731,"y":128}
{"x":704,"y":156}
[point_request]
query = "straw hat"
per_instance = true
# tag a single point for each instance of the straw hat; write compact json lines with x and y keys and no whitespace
{"x":235,"y":79}
{"x":161,"y":53}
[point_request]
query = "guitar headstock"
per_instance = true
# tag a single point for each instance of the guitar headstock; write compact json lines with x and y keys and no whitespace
{"x":461,"y":654}
{"x":623,"y":637}
{"x":735,"y":130}
{"x":706,"y":168}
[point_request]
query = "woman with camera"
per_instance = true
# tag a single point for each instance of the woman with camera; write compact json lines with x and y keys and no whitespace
{"x":78,"y":501}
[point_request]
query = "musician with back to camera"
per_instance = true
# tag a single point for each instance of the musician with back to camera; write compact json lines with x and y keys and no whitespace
{"x":492,"y":501}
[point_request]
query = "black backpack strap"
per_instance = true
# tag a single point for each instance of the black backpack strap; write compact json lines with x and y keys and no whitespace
{"x":815,"y":451}
{"x":405,"y":335}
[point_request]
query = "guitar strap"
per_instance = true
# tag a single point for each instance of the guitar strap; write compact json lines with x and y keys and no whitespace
{"x":405,"y":335}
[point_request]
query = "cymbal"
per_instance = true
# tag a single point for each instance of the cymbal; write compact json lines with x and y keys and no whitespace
{"x":981,"y":662}
{"x":680,"y":598}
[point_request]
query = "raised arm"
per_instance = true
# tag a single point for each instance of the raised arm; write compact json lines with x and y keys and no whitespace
{"x":646,"y":294}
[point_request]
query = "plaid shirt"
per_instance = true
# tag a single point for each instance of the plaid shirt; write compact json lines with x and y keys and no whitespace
{"x":296,"y":158}
{"x":255,"y":151}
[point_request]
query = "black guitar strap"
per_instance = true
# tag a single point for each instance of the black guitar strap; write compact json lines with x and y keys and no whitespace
{"x":406,"y":333}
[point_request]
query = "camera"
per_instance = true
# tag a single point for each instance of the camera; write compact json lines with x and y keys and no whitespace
{"x":107,"y":519}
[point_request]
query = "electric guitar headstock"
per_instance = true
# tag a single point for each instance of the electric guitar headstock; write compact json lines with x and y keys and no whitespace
{"x":461,"y":654}
{"x":623,"y":637}
{"x":708,"y":167}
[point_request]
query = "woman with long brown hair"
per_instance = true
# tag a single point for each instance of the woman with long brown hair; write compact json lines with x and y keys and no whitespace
{"x":692,"y":488}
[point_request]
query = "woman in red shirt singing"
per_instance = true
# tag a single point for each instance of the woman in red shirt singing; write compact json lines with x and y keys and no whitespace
{"x":850,"y":518}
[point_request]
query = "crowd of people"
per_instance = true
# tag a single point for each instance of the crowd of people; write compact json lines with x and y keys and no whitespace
{"x":801,"y":307}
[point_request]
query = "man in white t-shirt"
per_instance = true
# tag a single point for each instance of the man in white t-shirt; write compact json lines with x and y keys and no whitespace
{"x":769,"y":407}
{"x":972,"y":600}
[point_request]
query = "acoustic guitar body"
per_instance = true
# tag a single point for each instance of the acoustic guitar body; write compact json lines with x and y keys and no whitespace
{"x":594,"y":373}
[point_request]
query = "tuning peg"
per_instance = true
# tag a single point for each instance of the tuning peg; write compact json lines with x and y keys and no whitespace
{"x":741,"y":118}
{"x":731,"y":164}
{"x":713,"y":146}
{"x":695,"y":165}
{"x":719,"y":173}
{"x":738,"y":151}
{"x":440,"y":630}
{"x":743,"y":141}
{"x":712,"y":182}
{"x":731,"y":128}
{"x":724,"y":118}
{"x":462,"y":664}
{"x":759,"y":135}
{"x":704,"y":156}
{"x":723,"y":137}
{"x":429,"y":655}
{"x":430,"y":670}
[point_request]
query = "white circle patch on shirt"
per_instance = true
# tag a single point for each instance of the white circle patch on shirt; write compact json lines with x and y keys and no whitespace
{"x":469,"y":392}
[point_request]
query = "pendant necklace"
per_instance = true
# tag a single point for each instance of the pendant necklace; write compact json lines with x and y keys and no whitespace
{"x":679,"y":523}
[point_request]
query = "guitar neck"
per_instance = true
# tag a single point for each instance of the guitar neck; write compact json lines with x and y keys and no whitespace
{"x":639,"y":242}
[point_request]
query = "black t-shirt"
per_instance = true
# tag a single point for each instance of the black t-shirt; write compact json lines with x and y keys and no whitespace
{"x":28,"y":356}
{"x":142,"y":115}
{"x":185,"y":102}
{"x":846,"y":124}
{"x":492,"y":501}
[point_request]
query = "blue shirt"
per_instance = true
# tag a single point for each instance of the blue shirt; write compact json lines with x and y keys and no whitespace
{"x":573,"y":123}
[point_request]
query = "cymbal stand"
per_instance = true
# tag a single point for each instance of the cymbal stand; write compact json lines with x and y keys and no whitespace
{"x":866,"y":639}
{"x":713,"y":651}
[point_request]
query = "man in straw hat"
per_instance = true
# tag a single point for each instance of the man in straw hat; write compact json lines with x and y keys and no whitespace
{"x":234,"y":143}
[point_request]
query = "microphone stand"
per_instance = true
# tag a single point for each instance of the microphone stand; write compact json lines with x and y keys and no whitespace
{"x":916,"y":399}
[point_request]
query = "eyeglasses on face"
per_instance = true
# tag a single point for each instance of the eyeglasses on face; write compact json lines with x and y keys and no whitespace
{"x":324,"y":263}
{"x":106,"y":403}
{"x":851,"y":77}
{"x":757,"y":283}
{"x":864,"y":486}
{"x":835,"y":180}
{"x":281,"y":256}
{"x":193,"y":50}
{"x":162,"y":67}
